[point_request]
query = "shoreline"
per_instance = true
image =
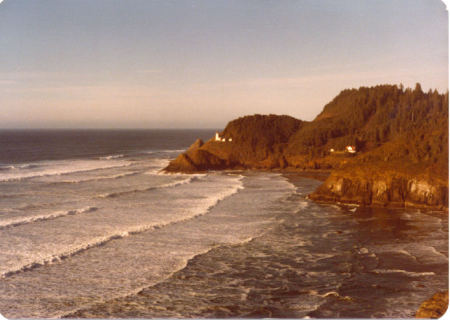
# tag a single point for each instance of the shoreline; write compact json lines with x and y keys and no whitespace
{"x":149,"y":301}
{"x":320,"y":176}
{"x":323,"y":175}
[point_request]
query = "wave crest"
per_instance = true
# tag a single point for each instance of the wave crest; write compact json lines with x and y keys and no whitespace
{"x":172,"y":184}
{"x":99,"y":241}
{"x":44,"y":217}
{"x":58,"y":168}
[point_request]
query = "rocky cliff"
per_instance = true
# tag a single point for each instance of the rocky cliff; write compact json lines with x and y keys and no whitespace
{"x":381,"y":186}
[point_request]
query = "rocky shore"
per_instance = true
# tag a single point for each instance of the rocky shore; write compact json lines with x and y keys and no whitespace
{"x":384,"y":146}
{"x":394,"y":188}
{"x":353,"y":185}
{"x":378,"y":146}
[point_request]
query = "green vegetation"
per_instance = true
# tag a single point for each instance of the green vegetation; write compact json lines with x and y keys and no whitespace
{"x":401,"y":138}
{"x":259,"y":136}
{"x":386,"y":123}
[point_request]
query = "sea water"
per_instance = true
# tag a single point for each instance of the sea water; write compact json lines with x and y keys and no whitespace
{"x":91,"y":227}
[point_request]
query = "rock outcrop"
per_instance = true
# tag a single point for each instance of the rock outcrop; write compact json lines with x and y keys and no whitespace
{"x":196,"y":159}
{"x":257,"y":143}
{"x":383,"y":188}
{"x":433,"y":308}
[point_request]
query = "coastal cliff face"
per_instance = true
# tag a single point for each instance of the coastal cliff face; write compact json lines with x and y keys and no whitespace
{"x":400,"y":135}
{"x":196,"y":159}
{"x":383,"y":188}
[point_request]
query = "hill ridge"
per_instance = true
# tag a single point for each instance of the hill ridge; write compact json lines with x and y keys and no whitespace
{"x":396,"y":130}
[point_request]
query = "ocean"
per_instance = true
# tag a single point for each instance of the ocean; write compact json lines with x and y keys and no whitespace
{"x":91,"y":228}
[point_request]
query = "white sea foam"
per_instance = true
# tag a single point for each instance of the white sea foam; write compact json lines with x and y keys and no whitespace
{"x":17,"y":166}
{"x":112,"y":157}
{"x":42,"y":217}
{"x":146,"y":189}
{"x":59,"y":168}
{"x":136,"y":290}
{"x":302,"y":205}
{"x":98,"y":178}
{"x":407,"y":273}
{"x":419,"y":252}
{"x":164,"y":151}
{"x":158,"y":165}
{"x":194,"y":212}
{"x":290,"y":183}
{"x":404,"y":252}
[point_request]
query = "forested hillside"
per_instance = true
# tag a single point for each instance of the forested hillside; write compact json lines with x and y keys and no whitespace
{"x":388,"y":121}
{"x":400,"y":136}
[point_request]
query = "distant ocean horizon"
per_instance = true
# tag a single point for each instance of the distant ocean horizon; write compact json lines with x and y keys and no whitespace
{"x":39,"y":144}
{"x":91,"y":227}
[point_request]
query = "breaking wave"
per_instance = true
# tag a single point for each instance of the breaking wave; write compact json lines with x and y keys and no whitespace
{"x":99,"y":241}
{"x":17,"y":167}
{"x":44,"y":217}
{"x":58,"y":168}
{"x":112,"y":157}
{"x":172,"y":184}
{"x":407,"y":273}
{"x":98,"y":178}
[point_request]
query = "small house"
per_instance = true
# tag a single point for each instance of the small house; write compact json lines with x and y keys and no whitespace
{"x":350,"y":149}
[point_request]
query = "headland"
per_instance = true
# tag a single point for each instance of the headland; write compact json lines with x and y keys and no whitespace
{"x":383,"y":146}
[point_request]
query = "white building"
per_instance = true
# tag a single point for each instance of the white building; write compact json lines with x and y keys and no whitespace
{"x":351,"y":149}
{"x":217,"y":138}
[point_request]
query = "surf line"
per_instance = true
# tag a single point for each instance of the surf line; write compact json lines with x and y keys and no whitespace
{"x":45,"y":217}
{"x":137,"y":291}
{"x":168,"y":185}
{"x":99,"y":241}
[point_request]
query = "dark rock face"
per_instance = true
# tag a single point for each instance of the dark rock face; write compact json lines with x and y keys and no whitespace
{"x":195,"y":159}
{"x":433,"y":308}
{"x":395,"y":189}
{"x":181,"y":164}
{"x":204,"y":160}
{"x":196,"y":145}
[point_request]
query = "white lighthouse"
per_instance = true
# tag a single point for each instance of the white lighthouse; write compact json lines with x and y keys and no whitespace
{"x":217,"y":138}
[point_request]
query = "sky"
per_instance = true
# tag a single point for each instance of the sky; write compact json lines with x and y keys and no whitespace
{"x":200,"y":64}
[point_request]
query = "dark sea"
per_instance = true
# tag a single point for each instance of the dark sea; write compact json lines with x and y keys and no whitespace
{"x":91,"y":228}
